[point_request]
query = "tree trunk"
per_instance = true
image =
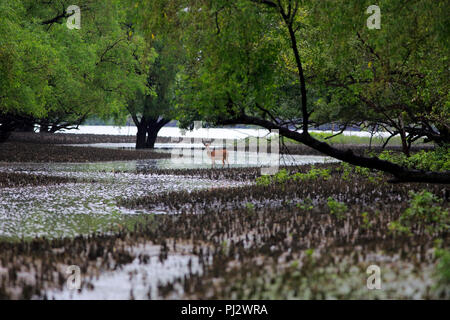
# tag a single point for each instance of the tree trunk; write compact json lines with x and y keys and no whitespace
{"x":4,"y":134}
{"x":5,"y":129}
{"x":141,"y":135}
{"x":405,"y":146}
{"x":25,"y":127}
{"x":152,"y":134}
{"x":54,"y":128}
{"x":153,"y":127}
{"x":44,"y":128}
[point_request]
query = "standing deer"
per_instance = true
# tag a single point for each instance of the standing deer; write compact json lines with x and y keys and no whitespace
{"x":219,"y":154}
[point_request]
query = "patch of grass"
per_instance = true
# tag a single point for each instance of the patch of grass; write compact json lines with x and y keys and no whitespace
{"x":305,"y":205}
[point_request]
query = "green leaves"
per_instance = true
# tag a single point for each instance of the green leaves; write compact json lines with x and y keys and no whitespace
{"x":48,"y":71}
{"x":337,"y":209}
{"x":425,"y":215}
{"x":283,"y":176}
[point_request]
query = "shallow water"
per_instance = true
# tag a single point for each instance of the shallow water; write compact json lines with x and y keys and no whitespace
{"x":194,"y":156}
{"x":84,"y":207}
{"x":135,"y":280}
{"x":90,"y":205}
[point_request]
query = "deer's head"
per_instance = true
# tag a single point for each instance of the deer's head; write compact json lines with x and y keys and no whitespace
{"x":206,"y":144}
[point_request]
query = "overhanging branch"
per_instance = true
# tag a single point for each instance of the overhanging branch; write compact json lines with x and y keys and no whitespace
{"x":401,"y":174}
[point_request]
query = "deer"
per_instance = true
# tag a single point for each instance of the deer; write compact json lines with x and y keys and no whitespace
{"x":217,"y":154}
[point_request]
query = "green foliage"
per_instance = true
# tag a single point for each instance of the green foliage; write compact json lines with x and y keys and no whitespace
{"x":312,"y":174}
{"x":338,"y":209}
{"x":250,"y":206}
{"x":435,"y":160}
{"x":51,"y":73}
{"x":443,"y":267}
{"x":159,"y":100}
{"x":397,"y":227}
{"x":305,"y":205}
{"x":264,"y":180}
{"x":309,"y":252}
{"x":283,"y":176}
{"x":391,"y":75}
{"x":425,"y":214}
{"x":347,"y":170}
{"x":366,"y":222}
{"x":225,"y":247}
{"x":442,"y":271}
{"x":244,"y":59}
{"x":240,"y":61}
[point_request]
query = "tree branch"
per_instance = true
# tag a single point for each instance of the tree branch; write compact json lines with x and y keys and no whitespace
{"x":400,"y":173}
